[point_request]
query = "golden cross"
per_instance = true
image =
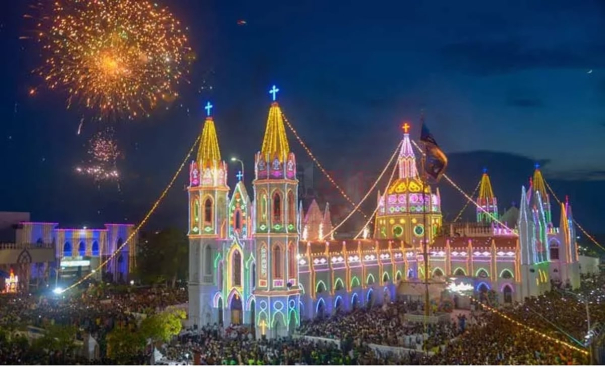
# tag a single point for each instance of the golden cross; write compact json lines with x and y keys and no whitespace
{"x":406,"y":127}
{"x":263,"y":326}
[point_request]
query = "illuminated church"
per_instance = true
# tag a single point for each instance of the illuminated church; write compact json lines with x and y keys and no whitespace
{"x":267,"y":263}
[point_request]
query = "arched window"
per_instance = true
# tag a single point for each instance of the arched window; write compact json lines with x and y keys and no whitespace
{"x":208,"y":260}
{"x":263,"y":206}
{"x":253,"y":275}
{"x":95,"y":248}
{"x":67,"y":249}
{"x":437,"y":273}
{"x":208,"y":211}
{"x":506,"y":274}
{"x":238,"y":220}
{"x":291,"y":208}
{"x":482,"y":274}
{"x":292,"y":261}
{"x":459,"y":272}
{"x":82,"y":249}
{"x":554,"y":252}
{"x":237,"y":269}
{"x":277,"y":262}
{"x":277,"y":202}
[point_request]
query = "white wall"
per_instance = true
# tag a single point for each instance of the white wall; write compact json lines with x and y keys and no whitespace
{"x":589,"y":264}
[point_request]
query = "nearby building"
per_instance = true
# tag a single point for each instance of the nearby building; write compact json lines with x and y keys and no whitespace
{"x":36,"y":250}
{"x":262,"y":262}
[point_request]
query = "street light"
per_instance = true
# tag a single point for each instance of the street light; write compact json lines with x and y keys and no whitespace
{"x":233,"y":159}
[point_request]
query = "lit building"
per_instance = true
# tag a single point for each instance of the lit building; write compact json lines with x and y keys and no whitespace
{"x":267,"y":263}
{"x":43,"y":254}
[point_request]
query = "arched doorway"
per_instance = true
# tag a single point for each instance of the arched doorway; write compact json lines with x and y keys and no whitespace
{"x":253,"y":316}
{"x":354,"y":302}
{"x":220,"y":311}
{"x":370,"y":298}
{"x":236,"y":310}
{"x":386,"y":298}
{"x":338,"y":304}
{"x":292,"y":323}
{"x":321,"y":308}
{"x":508,"y":294}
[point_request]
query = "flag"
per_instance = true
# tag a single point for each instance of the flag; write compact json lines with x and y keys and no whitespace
{"x":435,"y":160}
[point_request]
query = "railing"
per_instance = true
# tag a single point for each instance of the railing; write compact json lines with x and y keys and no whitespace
{"x":23,"y":246}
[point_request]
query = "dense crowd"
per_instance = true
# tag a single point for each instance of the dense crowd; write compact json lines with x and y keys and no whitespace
{"x":477,"y":337}
{"x":94,"y":312}
{"x":384,"y":326}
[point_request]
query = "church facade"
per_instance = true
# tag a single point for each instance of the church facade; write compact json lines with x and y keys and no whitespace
{"x":267,"y":263}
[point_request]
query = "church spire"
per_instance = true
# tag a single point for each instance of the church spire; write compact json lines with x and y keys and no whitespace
{"x":486,"y":200}
{"x":540,"y":186}
{"x":208,"y":153}
{"x":407,"y":159}
{"x":275,"y":142}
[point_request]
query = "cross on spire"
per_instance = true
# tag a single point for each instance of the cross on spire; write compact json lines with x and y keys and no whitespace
{"x":406,"y":128}
{"x":239,"y":175}
{"x":208,"y":108}
{"x":274,"y":91}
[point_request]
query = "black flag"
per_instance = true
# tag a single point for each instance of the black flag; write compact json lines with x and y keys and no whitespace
{"x":435,"y":161}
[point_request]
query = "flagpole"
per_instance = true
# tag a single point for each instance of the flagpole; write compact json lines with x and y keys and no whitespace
{"x":425,"y":251}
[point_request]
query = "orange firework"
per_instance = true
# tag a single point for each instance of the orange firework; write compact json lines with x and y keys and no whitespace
{"x":118,"y":58}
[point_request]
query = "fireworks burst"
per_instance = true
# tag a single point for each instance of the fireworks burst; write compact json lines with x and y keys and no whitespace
{"x":104,"y":153}
{"x":119,"y":58}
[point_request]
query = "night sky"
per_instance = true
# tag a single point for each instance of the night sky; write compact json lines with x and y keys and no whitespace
{"x":504,"y":84}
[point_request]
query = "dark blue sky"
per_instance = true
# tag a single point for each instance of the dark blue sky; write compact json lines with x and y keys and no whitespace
{"x":504,"y":84}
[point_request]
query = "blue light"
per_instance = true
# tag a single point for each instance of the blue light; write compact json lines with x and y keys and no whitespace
{"x":208,"y":108}
{"x":274,"y":91}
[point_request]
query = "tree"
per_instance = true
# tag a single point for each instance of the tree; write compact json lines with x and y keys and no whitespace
{"x":163,"y":326}
{"x":123,"y":344}
{"x":163,"y":256}
{"x":57,"y":338}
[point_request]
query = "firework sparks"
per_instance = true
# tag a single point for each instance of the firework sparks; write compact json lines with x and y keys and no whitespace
{"x":104,"y":153}
{"x":117,"y":58}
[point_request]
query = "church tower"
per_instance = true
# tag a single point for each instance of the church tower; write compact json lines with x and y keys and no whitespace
{"x":276,"y":231}
{"x":401,"y":212}
{"x":487,"y":201}
{"x":207,"y":226}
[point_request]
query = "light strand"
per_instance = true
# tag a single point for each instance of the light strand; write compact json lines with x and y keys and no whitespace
{"x":321,"y":168}
{"x":368,"y":193}
{"x":377,"y":205}
{"x":574,"y":221}
{"x":508,"y":318}
{"x":467,"y":202}
{"x":145,"y":219}
{"x":466,"y":195}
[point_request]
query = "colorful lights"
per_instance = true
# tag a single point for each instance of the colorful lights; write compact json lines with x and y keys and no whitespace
{"x":119,"y":58}
{"x":209,"y":153}
{"x":275,"y":142}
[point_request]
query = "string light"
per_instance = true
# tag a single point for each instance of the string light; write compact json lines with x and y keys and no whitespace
{"x":574,"y":221}
{"x":378,"y":204}
{"x":467,"y":202}
{"x":145,"y":219}
{"x":321,"y":168}
{"x":466,"y":195}
{"x":368,"y":193}
{"x":508,"y":318}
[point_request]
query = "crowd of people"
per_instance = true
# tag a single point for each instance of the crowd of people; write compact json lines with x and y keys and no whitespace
{"x":94,"y":313}
{"x":473,"y":337}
